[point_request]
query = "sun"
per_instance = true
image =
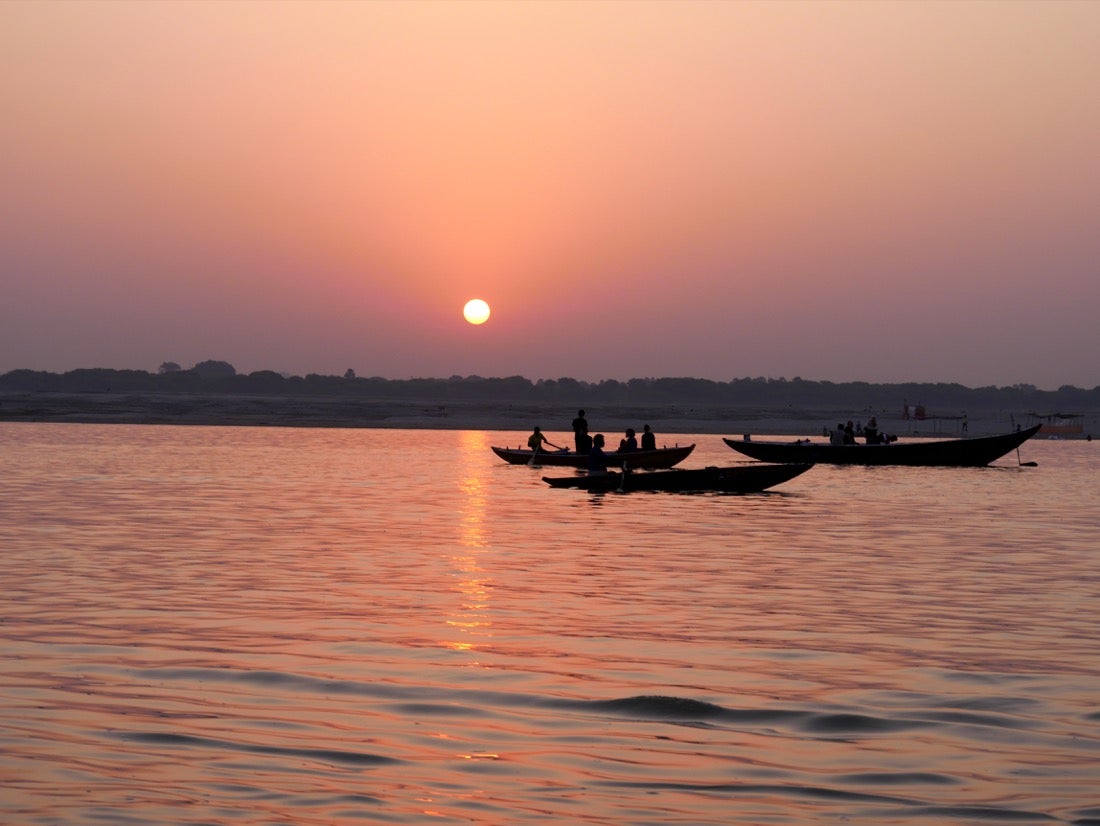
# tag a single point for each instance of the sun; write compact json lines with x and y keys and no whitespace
{"x":476,"y":311}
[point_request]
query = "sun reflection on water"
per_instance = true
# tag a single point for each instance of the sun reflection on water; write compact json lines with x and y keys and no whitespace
{"x":471,"y":621}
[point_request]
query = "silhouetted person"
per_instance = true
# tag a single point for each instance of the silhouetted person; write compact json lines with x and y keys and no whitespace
{"x":597,"y":461}
{"x":649,"y":441}
{"x":836,"y":437}
{"x":537,"y":439}
{"x":582,"y":442}
{"x":871,"y":432}
{"x":629,"y":442}
{"x":849,"y":433}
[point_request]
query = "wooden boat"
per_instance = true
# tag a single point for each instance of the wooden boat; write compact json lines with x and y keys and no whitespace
{"x":973,"y":452}
{"x":735,"y":479}
{"x":662,"y":457}
{"x":1059,"y":424}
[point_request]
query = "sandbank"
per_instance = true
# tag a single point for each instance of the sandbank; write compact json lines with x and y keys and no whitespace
{"x":317,"y":411}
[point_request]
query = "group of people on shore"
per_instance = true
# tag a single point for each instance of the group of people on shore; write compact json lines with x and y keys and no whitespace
{"x":593,"y":445}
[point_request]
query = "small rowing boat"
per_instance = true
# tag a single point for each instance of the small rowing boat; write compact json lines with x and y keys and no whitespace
{"x":734,"y":479}
{"x":662,"y":457}
{"x":974,"y":452}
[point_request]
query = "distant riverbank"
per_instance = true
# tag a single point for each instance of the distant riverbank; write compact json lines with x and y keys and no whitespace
{"x":319,"y":411}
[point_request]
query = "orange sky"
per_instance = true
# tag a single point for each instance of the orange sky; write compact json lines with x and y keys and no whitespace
{"x":839,"y":191}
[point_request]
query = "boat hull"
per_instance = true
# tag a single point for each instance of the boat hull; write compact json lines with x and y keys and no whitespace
{"x":664,"y":457}
{"x":975,"y":452}
{"x":735,"y":479}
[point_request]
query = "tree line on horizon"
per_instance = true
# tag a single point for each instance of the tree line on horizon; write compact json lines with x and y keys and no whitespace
{"x":219,"y":377}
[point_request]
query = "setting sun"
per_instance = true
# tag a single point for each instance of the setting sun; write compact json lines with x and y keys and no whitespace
{"x":476,"y":311}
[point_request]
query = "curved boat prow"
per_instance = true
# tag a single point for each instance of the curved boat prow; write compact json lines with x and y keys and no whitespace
{"x":976,"y":452}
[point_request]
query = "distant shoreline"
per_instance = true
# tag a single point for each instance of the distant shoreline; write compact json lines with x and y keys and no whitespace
{"x":316,"y":411}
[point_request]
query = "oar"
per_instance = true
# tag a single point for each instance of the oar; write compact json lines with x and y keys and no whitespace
{"x":535,"y":452}
{"x":1025,"y":464}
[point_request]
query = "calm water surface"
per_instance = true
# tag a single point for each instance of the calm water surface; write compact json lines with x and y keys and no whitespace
{"x":289,"y":626}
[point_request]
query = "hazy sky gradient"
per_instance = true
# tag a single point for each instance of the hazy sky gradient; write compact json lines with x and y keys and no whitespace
{"x":840,"y":191}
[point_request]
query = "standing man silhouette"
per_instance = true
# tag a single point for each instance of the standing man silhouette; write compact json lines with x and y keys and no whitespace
{"x":582,"y":442}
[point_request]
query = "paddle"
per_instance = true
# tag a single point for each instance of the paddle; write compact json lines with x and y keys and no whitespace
{"x":1025,"y":464}
{"x":535,"y":452}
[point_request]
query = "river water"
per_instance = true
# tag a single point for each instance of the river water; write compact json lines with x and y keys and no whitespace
{"x":333,"y":626}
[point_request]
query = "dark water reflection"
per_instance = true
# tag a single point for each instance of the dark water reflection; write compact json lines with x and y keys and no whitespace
{"x":219,"y":625}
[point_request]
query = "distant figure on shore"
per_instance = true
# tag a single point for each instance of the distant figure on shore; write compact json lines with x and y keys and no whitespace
{"x":629,"y":442}
{"x":582,"y":442}
{"x":597,"y":460}
{"x":649,"y":441}
{"x":537,"y":439}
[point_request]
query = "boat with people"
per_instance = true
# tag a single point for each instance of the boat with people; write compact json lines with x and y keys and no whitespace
{"x":976,"y":451}
{"x":746,"y":478}
{"x":659,"y":458}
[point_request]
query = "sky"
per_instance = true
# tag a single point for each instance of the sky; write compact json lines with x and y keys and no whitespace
{"x":837,"y":191}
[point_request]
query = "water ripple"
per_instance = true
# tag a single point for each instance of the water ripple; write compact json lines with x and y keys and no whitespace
{"x":210,"y":744}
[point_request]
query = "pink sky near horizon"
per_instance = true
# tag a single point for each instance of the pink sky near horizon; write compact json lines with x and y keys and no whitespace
{"x":841,"y":191}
